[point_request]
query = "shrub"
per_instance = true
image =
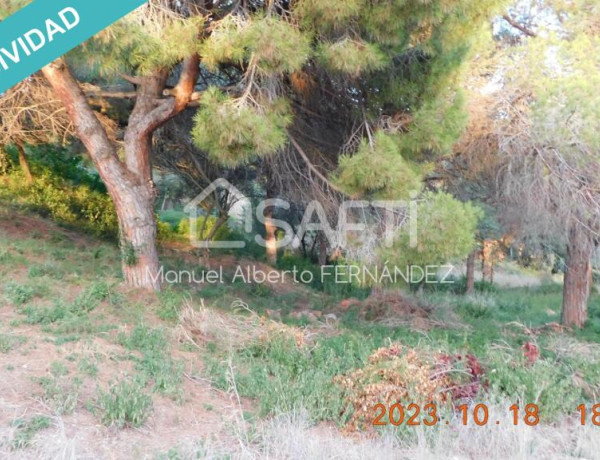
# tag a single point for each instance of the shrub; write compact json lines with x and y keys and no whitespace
{"x":125,"y":404}
{"x":458,"y":285}
{"x":165,"y":232}
{"x":547,"y":383}
{"x":285,"y":376}
{"x":172,"y":217}
{"x":26,"y":430}
{"x":18,"y":294}
{"x":53,"y":196}
{"x":10,"y":341}
{"x":446,"y":232}
{"x":204,"y":226}
{"x":330,"y":285}
{"x":61,"y":392}
{"x":170,"y":302}
{"x":477,"y":306}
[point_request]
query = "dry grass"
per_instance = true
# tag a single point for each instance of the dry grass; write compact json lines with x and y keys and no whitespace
{"x":291,"y":436}
{"x":240,"y":328}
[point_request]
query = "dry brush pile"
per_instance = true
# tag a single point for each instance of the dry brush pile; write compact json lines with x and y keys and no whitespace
{"x":399,"y":374}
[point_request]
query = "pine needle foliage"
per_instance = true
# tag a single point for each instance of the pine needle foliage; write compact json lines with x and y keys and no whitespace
{"x":352,"y":57}
{"x":377,"y":59}
{"x":276,"y":46}
{"x":436,"y":126}
{"x":251,"y":130}
{"x":446,"y":232}
{"x":328,"y":15}
{"x":379,"y":170}
{"x":225,"y":44}
{"x":163,"y":50}
{"x":142,"y":42}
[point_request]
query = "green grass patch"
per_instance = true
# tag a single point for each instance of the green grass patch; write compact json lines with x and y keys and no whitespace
{"x":155,"y":362}
{"x":27,"y":429}
{"x":9,"y":342}
{"x":125,"y":404}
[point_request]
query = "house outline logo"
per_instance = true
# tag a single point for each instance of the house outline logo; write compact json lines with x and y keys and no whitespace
{"x":191,"y":209}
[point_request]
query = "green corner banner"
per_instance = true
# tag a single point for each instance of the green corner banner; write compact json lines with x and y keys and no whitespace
{"x":46,"y":29}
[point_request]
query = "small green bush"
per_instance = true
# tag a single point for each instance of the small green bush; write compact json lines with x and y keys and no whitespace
{"x":545,"y":382}
{"x":284,"y":377}
{"x":9,"y":342}
{"x":125,"y":404}
{"x":18,"y":294}
{"x":222,"y":234}
{"x":54,"y":197}
{"x":61,"y":392}
{"x":327,"y":284}
{"x":88,"y":367}
{"x":172,"y":217}
{"x":170,"y":302}
{"x":458,"y":285}
{"x":38,"y":271}
{"x":70,"y":318}
{"x":26,"y":430}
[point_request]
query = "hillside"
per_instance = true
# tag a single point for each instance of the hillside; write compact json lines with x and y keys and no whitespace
{"x":91,"y":369}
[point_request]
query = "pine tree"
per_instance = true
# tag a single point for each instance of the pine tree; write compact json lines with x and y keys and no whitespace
{"x":384,"y":72}
{"x":561,"y":70}
{"x":537,"y":137}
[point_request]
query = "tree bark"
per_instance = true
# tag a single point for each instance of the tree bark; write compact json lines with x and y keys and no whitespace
{"x":23,"y":163}
{"x":3,"y":161}
{"x":578,"y":279}
{"x":322,"y":249}
{"x":270,"y":230}
{"x":129,"y":183}
{"x":486,"y":260}
{"x":471,"y":272}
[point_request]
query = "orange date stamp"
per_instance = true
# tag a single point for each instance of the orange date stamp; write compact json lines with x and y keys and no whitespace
{"x":478,"y":415}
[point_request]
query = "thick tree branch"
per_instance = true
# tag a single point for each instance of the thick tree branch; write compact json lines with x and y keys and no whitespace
{"x":194,"y":99}
{"x":182,"y":94}
{"x":89,"y":129}
{"x":148,"y":114}
{"x":112,"y":94}
{"x":518,"y":26}
{"x":133,"y":80}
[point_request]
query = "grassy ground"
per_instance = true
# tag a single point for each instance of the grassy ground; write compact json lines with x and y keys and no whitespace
{"x":90,"y":368}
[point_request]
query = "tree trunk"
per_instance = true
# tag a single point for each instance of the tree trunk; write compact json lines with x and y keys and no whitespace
{"x":322,"y":249}
{"x":471,"y":272}
{"x":486,"y":260}
{"x":24,"y":163}
{"x":137,"y":232}
{"x":270,"y":228}
{"x":3,"y":161}
{"x":271,"y":237}
{"x":129,"y":183}
{"x":578,"y":279}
